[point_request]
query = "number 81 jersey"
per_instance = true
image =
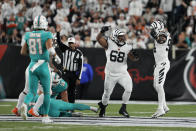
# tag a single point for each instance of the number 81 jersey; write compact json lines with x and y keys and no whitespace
{"x":116,"y":58}
{"x":36,"y":41}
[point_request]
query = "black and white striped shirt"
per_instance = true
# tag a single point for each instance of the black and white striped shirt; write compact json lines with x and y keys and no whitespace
{"x":72,"y":59}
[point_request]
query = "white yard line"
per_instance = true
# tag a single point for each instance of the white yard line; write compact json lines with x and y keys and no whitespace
{"x":120,"y":102}
{"x":5,"y":105}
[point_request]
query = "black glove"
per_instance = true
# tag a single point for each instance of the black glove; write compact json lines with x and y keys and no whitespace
{"x":135,"y":54}
{"x":104,"y":29}
{"x":153,"y":34}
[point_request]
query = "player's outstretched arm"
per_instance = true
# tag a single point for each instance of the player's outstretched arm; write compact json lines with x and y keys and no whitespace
{"x":24,"y":50}
{"x":101,"y":39}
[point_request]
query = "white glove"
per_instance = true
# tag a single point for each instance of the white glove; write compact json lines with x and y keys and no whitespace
{"x":57,"y":59}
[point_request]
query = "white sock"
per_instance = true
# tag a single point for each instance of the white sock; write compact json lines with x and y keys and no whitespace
{"x":39,"y":102}
{"x":126,"y":96}
{"x":92,"y":108}
{"x":161,"y":97}
{"x":20,"y":100}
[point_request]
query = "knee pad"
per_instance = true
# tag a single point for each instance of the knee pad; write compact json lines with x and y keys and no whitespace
{"x":128,"y":91}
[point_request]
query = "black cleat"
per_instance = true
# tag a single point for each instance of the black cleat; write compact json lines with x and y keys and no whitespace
{"x":102,"y":109}
{"x":123,"y":111}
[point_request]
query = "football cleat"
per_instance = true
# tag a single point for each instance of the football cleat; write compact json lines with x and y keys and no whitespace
{"x":33,"y":113}
{"x":102,"y":109}
{"x":166,"y":109}
{"x":95,"y":109}
{"x":123,"y":111}
{"x":46,"y":120}
{"x":158,"y":113}
{"x":23,"y":112}
{"x":15,"y":111}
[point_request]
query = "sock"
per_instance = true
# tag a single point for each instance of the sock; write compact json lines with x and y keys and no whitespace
{"x":20,"y":100}
{"x":93,"y":108}
{"x":124,"y":106}
{"x":161,"y":97}
{"x":81,"y":107}
{"x":39,"y":102}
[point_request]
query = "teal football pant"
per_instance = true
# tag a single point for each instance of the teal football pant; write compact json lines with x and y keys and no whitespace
{"x":42,"y":74}
{"x":58,"y":106}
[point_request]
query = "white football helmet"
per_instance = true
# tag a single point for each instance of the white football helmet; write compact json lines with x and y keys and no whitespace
{"x":40,"y":22}
{"x":115,"y":36}
{"x":158,"y":26}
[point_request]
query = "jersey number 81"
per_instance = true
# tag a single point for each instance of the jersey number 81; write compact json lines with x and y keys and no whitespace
{"x":32,"y":46}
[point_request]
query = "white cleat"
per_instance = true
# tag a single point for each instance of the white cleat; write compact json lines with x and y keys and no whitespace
{"x":94,"y":109}
{"x":46,"y":120}
{"x":166,"y":109}
{"x":23,"y":111}
{"x":158,"y":113}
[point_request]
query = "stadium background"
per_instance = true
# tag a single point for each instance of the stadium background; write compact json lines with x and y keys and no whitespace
{"x":84,"y":19}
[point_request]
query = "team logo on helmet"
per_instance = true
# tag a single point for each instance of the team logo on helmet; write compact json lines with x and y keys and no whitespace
{"x":115,"y":36}
{"x":40,"y":22}
{"x":158,"y":26}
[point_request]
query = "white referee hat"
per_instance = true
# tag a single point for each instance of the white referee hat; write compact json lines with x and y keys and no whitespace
{"x":71,"y":39}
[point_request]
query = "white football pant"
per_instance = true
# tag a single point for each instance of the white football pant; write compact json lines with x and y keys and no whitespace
{"x":110,"y":81}
{"x":160,"y":73}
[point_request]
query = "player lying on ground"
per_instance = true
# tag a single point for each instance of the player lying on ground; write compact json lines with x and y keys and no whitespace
{"x":162,"y":64}
{"x":117,"y":51}
{"x":59,"y":86}
{"x":60,"y":108}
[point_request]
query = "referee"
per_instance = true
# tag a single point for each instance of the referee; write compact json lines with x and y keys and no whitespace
{"x":72,"y":64}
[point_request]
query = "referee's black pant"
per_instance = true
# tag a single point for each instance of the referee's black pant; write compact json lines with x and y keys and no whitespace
{"x":70,"y":77}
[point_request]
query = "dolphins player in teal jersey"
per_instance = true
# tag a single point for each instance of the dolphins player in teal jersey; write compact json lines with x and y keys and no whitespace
{"x":38,"y":44}
{"x":60,"y":108}
{"x":59,"y":86}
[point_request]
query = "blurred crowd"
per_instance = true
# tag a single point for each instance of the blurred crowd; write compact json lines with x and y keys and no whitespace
{"x":84,"y":19}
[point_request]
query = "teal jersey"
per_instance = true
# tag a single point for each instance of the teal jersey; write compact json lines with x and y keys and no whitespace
{"x":36,"y":41}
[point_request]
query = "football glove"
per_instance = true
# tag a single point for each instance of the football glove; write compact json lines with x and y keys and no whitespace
{"x":153,"y":33}
{"x":135,"y":54}
{"x":104,"y":29}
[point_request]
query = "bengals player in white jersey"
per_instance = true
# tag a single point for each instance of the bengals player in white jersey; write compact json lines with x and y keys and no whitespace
{"x":117,"y":51}
{"x":162,"y":42}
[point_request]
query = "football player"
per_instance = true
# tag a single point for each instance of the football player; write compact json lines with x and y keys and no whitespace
{"x":162,"y":41}
{"x":60,"y":108}
{"x":117,"y":51}
{"x":39,"y":45}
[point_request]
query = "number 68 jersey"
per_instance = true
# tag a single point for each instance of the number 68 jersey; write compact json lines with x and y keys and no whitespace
{"x":116,"y":58}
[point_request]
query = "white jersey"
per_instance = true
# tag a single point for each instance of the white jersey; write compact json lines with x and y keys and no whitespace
{"x":55,"y":78}
{"x":161,"y":50}
{"x":116,"y":58}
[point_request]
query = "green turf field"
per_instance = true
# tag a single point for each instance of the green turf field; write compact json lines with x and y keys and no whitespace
{"x":112,"y":110}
